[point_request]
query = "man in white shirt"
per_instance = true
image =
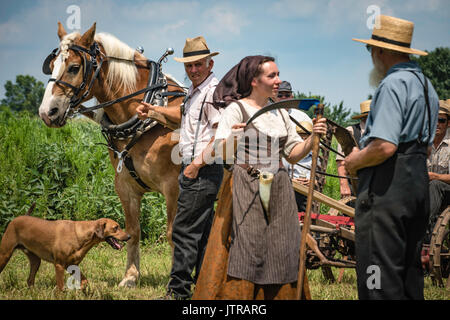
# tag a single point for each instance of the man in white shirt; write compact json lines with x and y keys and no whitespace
{"x":199,"y":182}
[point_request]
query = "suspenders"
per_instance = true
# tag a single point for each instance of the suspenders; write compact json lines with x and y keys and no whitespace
{"x":198,"y":127}
{"x":427,"y":102}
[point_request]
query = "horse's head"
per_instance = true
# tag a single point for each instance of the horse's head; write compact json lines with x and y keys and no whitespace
{"x":71,"y":69}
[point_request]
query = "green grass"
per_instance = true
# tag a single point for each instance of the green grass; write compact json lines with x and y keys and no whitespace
{"x":104,"y":269}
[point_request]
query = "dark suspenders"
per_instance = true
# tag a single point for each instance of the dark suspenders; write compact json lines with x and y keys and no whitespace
{"x":427,"y":102}
{"x":198,"y":128}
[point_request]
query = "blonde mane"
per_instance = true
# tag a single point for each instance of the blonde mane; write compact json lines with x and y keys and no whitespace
{"x":122,"y":72}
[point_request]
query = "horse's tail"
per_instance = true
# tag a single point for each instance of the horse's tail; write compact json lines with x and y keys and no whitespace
{"x":31,"y":209}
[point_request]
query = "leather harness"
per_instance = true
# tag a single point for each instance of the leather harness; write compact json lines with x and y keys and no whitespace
{"x":155,"y":92}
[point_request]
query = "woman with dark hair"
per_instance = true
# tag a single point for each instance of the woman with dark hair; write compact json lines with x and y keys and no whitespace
{"x":265,"y":235}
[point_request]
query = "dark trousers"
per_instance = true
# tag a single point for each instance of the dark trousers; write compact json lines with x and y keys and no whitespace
{"x":439,"y":200}
{"x":191,"y":226}
{"x":300,"y":199}
{"x":392,"y":211}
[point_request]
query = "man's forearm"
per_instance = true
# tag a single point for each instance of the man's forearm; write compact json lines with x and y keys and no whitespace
{"x":342,"y":172}
{"x":206,"y":156}
{"x":171,"y":113}
{"x":374,"y":154}
{"x":441,"y":177}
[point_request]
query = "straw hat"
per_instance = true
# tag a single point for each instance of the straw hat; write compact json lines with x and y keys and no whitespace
{"x":393,"y":34}
{"x":444,"y":106}
{"x":365,"y":108}
{"x":195,"y":49}
{"x":307,"y":125}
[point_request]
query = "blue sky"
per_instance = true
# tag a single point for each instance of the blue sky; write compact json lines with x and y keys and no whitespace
{"x":311,"y":40}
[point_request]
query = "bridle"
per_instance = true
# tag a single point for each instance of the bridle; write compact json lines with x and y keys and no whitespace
{"x":90,"y":67}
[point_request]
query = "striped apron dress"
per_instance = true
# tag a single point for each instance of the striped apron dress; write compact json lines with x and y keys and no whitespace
{"x":264,"y":246}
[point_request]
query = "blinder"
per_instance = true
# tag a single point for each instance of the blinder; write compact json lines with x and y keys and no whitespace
{"x":46,"y":65}
{"x":90,"y":67}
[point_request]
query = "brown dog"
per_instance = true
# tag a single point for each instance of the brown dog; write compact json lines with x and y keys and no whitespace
{"x":61,"y":242}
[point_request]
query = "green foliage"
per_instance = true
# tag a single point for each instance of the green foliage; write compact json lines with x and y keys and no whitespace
{"x":336,"y":113}
{"x":436,"y":66}
{"x":65,"y":172}
{"x":24,"y":95}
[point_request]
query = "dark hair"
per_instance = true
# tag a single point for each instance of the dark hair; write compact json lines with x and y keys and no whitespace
{"x":236,"y":84}
{"x":264,"y":60}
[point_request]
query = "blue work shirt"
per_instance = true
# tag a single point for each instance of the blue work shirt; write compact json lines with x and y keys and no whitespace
{"x":398,"y":112}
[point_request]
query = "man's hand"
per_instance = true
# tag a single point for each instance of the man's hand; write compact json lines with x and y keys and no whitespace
{"x":345,"y":190}
{"x":351,"y":161}
{"x":143,"y":110}
{"x":343,"y":182}
{"x":302,"y":181}
{"x":191,"y":171}
{"x":433,"y":176}
{"x":444,"y":177}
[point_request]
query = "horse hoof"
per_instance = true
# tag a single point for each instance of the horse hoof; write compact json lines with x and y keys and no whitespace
{"x":127,"y":283}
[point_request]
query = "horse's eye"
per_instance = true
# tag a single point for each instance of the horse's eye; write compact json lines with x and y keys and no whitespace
{"x":74,"y":69}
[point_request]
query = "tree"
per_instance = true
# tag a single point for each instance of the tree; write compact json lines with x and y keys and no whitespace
{"x":336,"y":113}
{"x":436,"y":66}
{"x":25,"y":94}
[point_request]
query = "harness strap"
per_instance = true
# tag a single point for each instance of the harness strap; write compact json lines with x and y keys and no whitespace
{"x":132,"y":170}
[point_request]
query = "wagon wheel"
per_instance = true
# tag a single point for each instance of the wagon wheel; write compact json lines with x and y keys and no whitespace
{"x":440,"y":249}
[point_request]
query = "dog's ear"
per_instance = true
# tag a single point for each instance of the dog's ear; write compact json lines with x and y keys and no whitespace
{"x":100,"y":229}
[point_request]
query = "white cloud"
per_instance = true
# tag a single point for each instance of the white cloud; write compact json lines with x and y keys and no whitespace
{"x":223,"y":20}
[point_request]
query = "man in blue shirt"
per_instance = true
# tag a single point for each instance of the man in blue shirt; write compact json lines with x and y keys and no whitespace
{"x":392,"y":206}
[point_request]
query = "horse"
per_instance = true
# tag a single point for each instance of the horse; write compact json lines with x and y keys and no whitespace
{"x":101,"y":66}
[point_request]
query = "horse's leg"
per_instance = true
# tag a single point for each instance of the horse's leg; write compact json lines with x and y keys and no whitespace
{"x":131,"y":203}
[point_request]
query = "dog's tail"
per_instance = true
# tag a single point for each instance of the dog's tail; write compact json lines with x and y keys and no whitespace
{"x":31,"y":209}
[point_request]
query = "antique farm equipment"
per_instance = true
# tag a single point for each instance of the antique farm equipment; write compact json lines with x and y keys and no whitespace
{"x":439,"y":263}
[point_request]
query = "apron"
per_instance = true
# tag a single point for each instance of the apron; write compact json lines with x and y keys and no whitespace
{"x":264,"y":247}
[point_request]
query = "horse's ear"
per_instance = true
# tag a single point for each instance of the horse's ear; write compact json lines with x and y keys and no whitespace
{"x":61,"y":31}
{"x":88,"y":37}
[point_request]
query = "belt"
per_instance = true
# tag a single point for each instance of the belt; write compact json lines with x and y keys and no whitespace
{"x":252,"y":171}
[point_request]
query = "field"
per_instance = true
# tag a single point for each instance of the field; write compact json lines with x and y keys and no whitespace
{"x":67,"y":173}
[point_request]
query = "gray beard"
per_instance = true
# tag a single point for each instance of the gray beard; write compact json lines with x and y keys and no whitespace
{"x":375,"y":77}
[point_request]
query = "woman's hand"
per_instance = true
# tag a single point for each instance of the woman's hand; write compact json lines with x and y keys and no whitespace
{"x":238,"y":126}
{"x":320,"y":126}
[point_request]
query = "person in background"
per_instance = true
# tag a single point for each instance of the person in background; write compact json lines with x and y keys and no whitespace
{"x":357,"y":130}
{"x":438,"y":164}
